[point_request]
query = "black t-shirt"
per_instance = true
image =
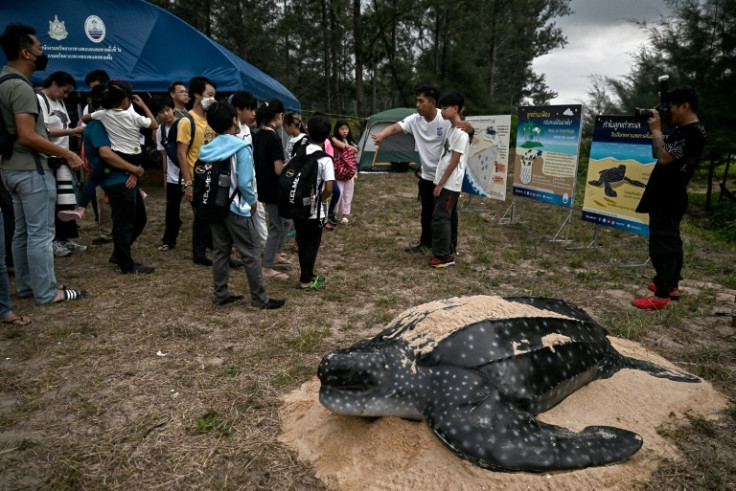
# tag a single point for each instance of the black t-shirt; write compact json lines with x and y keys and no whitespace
{"x":267,"y":149}
{"x":666,"y":190}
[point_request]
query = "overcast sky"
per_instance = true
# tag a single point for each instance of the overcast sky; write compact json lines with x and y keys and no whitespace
{"x":601,"y":40}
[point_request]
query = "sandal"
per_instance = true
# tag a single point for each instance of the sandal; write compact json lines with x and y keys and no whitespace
{"x":317,"y":284}
{"x":278,"y":275}
{"x":69,"y":215}
{"x":165,"y":247}
{"x":15,"y":320}
{"x":70,"y":295}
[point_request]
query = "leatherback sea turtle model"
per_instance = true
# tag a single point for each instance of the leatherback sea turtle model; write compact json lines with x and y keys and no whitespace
{"x":477,"y":369}
{"x":613,"y":177}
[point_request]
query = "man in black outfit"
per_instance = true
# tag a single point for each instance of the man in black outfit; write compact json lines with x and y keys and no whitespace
{"x":665,"y":197}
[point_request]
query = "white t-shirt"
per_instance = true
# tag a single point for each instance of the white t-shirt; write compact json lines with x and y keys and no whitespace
{"x":123,"y":128}
{"x":429,"y":137}
{"x":56,"y":118}
{"x":457,"y":141}
{"x":173,"y":173}
{"x":244,"y":133}
{"x":290,"y":144}
{"x":326,"y":173}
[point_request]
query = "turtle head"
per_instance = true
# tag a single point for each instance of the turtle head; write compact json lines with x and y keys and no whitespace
{"x":369,"y":380}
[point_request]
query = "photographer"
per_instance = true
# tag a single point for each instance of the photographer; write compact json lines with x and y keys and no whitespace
{"x":25,"y":170}
{"x":665,"y":197}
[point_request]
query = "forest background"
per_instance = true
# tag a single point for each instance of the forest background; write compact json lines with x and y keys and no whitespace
{"x":358,"y":57}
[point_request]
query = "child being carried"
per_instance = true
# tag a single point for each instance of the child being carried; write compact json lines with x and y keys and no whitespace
{"x":123,"y":127}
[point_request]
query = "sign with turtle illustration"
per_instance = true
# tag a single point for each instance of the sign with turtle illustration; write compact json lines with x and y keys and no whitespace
{"x":618,"y":170}
{"x":547,"y":145}
{"x":488,"y":159}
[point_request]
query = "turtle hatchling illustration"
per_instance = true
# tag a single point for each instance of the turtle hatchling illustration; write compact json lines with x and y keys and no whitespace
{"x":478,"y":369}
{"x":614,"y":177}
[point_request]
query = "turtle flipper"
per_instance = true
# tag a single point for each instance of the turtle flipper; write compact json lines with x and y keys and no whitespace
{"x":638,"y":184}
{"x":595,"y":183}
{"x":610,"y":192}
{"x":494,"y":434}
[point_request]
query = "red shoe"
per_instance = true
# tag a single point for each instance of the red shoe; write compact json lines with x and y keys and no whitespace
{"x":651,"y":303}
{"x":674,"y":294}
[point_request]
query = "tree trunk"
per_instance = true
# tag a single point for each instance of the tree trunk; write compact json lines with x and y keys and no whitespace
{"x":358,"y":40}
{"x":326,"y":56}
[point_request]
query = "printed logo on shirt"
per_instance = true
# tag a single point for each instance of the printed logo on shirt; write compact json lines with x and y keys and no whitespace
{"x":439,"y":131}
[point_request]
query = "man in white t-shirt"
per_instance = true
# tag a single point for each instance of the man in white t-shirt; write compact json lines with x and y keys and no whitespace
{"x":448,"y":181}
{"x":245,"y":107}
{"x":429,"y":130}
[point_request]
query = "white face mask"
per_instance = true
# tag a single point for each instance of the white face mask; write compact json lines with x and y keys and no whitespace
{"x":207,"y":102}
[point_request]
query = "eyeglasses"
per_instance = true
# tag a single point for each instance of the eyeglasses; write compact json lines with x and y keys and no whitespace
{"x":181,"y":91}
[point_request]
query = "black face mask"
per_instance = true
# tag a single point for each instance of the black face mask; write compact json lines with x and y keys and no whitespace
{"x":41,"y":62}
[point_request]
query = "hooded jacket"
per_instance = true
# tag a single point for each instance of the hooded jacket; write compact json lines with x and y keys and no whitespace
{"x":241,"y":169}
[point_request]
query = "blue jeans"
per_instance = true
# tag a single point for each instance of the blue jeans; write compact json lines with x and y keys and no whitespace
{"x":34,"y":200}
{"x":5,"y":309}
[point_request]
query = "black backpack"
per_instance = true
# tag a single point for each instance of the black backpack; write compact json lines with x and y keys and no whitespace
{"x":298,"y":194}
{"x":212,"y":200}
{"x":7,"y":139}
{"x":168,"y":138}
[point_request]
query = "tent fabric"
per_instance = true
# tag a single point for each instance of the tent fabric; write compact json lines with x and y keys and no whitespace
{"x":135,"y":41}
{"x":396,"y":148}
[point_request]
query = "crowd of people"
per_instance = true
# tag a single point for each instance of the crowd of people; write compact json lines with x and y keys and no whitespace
{"x":38,"y":171}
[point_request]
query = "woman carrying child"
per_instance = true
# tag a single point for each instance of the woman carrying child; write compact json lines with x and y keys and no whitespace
{"x":123,"y":126}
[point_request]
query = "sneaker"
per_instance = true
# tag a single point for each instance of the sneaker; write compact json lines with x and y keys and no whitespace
{"x":101,"y":240}
{"x":227,"y":300}
{"x":674,"y":294}
{"x":202,"y":261}
{"x":329,"y":226}
{"x":344,"y":221}
{"x":73,"y":246}
{"x":273,"y":304}
{"x":651,"y":303}
{"x":416,"y":248}
{"x":60,"y":249}
{"x":332,"y":220}
{"x":437,"y":262}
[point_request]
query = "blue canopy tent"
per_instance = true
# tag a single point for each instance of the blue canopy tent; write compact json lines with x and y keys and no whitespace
{"x":135,"y":41}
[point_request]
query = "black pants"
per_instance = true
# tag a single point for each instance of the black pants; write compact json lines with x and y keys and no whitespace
{"x":443,"y":240}
{"x":309,"y":237}
{"x":128,"y":221}
{"x":173,"y":213}
{"x":426,"y":197}
{"x":665,"y":250}
{"x":201,"y":237}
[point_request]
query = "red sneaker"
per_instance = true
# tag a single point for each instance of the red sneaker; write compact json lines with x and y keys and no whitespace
{"x":651,"y":303}
{"x":674,"y":294}
{"x":438,"y":262}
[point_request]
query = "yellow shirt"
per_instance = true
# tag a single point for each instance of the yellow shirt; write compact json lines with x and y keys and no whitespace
{"x":203,"y":134}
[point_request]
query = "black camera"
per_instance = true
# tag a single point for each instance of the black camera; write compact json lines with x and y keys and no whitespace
{"x":663,"y":108}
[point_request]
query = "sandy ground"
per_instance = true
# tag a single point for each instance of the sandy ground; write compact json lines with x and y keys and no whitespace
{"x":391,"y":453}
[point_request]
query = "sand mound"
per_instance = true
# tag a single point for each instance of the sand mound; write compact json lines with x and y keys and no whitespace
{"x":390,"y":453}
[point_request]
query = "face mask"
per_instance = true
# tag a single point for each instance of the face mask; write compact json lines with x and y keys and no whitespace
{"x":41,"y":62}
{"x":207,"y":102}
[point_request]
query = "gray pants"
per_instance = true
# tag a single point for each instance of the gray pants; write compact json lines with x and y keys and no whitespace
{"x":238,"y":230}
{"x":278,"y":229}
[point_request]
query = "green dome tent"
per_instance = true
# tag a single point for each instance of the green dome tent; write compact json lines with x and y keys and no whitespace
{"x":399,"y":148}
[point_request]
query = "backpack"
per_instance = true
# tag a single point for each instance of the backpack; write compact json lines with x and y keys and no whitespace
{"x":345,"y":165}
{"x":298,"y":194}
{"x":300,"y":143}
{"x":168,"y":139}
{"x":211,"y":200}
{"x":7,"y":139}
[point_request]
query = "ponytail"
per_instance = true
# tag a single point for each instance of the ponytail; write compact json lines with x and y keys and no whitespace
{"x":268,"y":111}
